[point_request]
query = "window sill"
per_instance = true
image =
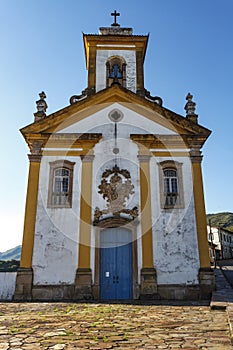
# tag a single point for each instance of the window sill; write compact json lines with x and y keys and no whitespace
{"x":63,"y":206}
{"x":179,"y":206}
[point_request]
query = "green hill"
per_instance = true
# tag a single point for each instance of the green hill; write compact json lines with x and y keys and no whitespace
{"x":11,"y":254}
{"x":9,"y":265}
{"x":225,"y":220}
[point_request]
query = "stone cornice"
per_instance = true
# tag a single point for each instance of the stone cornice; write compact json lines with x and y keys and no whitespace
{"x":69,"y":141}
{"x":195,"y":141}
{"x":146,"y":143}
{"x":168,"y":141}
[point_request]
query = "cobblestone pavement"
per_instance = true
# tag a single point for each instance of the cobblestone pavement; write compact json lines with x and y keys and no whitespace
{"x":59,"y":326}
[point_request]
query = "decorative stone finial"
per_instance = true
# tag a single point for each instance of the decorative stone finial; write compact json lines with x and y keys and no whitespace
{"x":190,"y":108}
{"x":190,"y":105}
{"x":41,"y":106}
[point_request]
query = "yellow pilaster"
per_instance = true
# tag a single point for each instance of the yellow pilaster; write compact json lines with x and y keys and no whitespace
{"x":140,"y":75}
{"x":200,"y":212}
{"x":30,"y":211}
{"x":85,"y":212}
{"x":92,"y":68}
{"x":146,"y":221}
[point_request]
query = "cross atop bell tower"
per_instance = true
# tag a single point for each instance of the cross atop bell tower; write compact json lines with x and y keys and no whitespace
{"x":115,"y":14}
{"x":115,"y":28}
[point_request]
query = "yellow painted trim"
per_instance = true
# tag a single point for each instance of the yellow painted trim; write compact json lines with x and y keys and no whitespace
{"x":162,"y":142}
{"x":92,"y":67}
{"x":63,"y":153}
{"x":146,"y":223}
{"x":70,"y":141}
{"x":200,"y":215}
{"x":30,"y":215}
{"x":170,"y":154}
{"x":112,"y":47}
{"x":85,"y":215}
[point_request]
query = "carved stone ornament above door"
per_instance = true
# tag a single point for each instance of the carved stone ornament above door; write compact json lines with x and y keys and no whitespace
{"x":116,"y":188}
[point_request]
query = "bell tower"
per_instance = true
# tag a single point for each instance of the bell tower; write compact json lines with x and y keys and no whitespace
{"x":115,"y":56}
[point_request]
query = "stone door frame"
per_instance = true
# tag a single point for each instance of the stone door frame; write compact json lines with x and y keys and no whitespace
{"x":113,"y":223}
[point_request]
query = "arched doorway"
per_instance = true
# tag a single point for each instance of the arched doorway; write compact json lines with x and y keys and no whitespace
{"x":116,"y":271}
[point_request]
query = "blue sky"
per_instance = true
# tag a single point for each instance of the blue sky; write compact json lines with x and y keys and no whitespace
{"x":41,"y":48}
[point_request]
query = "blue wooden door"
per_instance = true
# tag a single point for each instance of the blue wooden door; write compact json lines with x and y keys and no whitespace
{"x":116,"y":264}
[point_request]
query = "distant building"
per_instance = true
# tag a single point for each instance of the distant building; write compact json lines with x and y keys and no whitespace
{"x":115,"y":205}
{"x":220,"y":243}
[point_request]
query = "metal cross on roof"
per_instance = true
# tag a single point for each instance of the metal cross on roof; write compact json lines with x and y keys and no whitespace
{"x":115,"y":14}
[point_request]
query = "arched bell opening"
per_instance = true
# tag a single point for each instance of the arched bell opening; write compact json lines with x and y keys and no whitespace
{"x":116,"y":71}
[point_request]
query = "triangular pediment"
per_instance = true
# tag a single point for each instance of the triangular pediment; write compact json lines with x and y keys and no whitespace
{"x":143,"y":112}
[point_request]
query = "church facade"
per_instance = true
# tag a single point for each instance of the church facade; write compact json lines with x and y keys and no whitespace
{"x":115,"y":206}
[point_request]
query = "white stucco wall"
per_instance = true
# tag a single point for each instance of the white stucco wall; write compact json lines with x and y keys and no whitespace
{"x":133,"y":122}
{"x":55,"y":256}
{"x":175,"y":249}
{"x":101,"y":59}
{"x":7,"y":285}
